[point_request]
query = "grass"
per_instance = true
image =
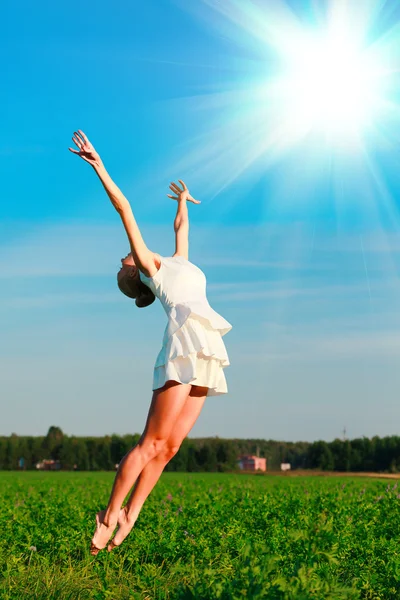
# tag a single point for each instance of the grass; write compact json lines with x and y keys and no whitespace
{"x":203,"y":536}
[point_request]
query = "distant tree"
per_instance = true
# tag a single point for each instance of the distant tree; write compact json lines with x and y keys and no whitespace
{"x":192,"y":465}
{"x":81,"y":456}
{"x":92,"y":445}
{"x":297,"y":455}
{"x":320,"y":456}
{"x":357,"y":454}
{"x":180,"y":460}
{"x":3,"y":452}
{"x":366,"y":448}
{"x":67,"y":454}
{"x":12,"y":453}
{"x":207,"y":458}
{"x":341,"y":451}
{"x":52,"y":443}
{"x":55,"y":434}
{"x":103,"y":458}
{"x":203,"y":454}
{"x":226,"y":456}
{"x":118,"y":448}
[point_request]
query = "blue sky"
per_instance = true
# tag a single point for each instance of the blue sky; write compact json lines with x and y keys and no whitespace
{"x":300,"y":242}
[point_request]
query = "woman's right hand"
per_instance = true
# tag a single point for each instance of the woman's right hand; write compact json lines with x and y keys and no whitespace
{"x":183,"y":194}
{"x":85,"y":149}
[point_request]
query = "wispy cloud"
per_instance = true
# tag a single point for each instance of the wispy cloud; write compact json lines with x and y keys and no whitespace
{"x":54,"y":300}
{"x":331,"y":345}
{"x":62,"y":250}
{"x":232,"y":261}
{"x":78,"y":249}
{"x":258,"y":290}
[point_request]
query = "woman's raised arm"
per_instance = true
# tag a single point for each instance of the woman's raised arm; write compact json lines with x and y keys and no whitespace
{"x":143,"y":257}
{"x":181,"y":223}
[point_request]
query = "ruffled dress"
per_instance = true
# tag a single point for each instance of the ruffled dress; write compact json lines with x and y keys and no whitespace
{"x":193,"y":350}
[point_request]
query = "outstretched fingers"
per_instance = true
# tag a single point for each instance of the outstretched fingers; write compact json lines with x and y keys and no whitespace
{"x":84,"y":137}
{"x":78,"y":140}
{"x":81,"y":141}
{"x":77,"y":143}
{"x":175,"y":188}
{"x":181,"y":193}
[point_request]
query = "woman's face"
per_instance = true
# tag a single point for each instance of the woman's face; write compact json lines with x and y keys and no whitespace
{"x":128,"y":266}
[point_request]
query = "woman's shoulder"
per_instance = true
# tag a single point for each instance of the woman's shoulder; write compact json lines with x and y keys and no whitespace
{"x":156,"y":262}
{"x":151,"y":266}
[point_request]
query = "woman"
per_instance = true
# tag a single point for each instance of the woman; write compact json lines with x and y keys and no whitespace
{"x":189,"y":366}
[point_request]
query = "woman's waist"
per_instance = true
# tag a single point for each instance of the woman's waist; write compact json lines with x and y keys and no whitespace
{"x":184,"y":307}
{"x":179,"y":313}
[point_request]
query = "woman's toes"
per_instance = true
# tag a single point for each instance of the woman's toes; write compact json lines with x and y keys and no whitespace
{"x":102,"y":534}
{"x":112,"y":545}
{"x":93,"y":549}
{"x":124,"y":527}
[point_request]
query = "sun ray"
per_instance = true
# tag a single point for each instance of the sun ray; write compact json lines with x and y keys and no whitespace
{"x":323,"y":90}
{"x":273,"y":25}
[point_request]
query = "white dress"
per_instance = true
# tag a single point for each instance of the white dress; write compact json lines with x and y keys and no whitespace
{"x":193,"y":350}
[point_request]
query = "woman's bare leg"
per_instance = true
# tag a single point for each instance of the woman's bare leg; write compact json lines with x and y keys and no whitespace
{"x":152,"y":471}
{"x":166,"y":405}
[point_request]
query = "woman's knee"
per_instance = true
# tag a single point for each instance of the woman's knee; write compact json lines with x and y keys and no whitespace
{"x":168,"y":451}
{"x":152,"y":446}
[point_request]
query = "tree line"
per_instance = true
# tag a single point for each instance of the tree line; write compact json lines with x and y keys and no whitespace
{"x":201,"y":454}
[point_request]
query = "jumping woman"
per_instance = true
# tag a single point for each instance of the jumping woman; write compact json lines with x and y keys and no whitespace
{"x":189,"y":366}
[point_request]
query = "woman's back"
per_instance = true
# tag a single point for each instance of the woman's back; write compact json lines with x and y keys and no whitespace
{"x":181,"y":288}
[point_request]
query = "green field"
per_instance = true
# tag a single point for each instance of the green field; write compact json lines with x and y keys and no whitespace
{"x":203,"y":536}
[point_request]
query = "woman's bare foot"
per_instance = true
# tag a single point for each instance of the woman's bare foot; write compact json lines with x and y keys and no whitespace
{"x":102,"y":534}
{"x":125,"y":524}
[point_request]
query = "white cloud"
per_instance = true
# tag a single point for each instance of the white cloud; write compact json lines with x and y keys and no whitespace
{"x":256,"y":290}
{"x":52,"y":300}
{"x":62,"y":250}
{"x":316,"y":322}
{"x":78,"y":249}
{"x":90,"y":249}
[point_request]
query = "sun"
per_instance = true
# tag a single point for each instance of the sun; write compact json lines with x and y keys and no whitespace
{"x":312,"y":86}
{"x":332,"y":86}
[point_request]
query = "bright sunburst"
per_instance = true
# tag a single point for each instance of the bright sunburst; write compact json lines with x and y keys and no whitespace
{"x":333,"y":86}
{"x":317,"y":79}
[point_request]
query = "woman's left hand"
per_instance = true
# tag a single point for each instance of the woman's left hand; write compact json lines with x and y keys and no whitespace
{"x":183,"y":194}
{"x":85,"y":150}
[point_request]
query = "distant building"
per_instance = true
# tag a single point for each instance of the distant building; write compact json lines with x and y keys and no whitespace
{"x":252,"y":463}
{"x":285,"y":466}
{"x":48,"y":464}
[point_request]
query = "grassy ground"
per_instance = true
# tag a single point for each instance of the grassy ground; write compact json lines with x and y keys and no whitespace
{"x":203,"y":536}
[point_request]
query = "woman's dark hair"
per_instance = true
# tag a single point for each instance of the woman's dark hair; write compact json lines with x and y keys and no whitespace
{"x":134,"y":288}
